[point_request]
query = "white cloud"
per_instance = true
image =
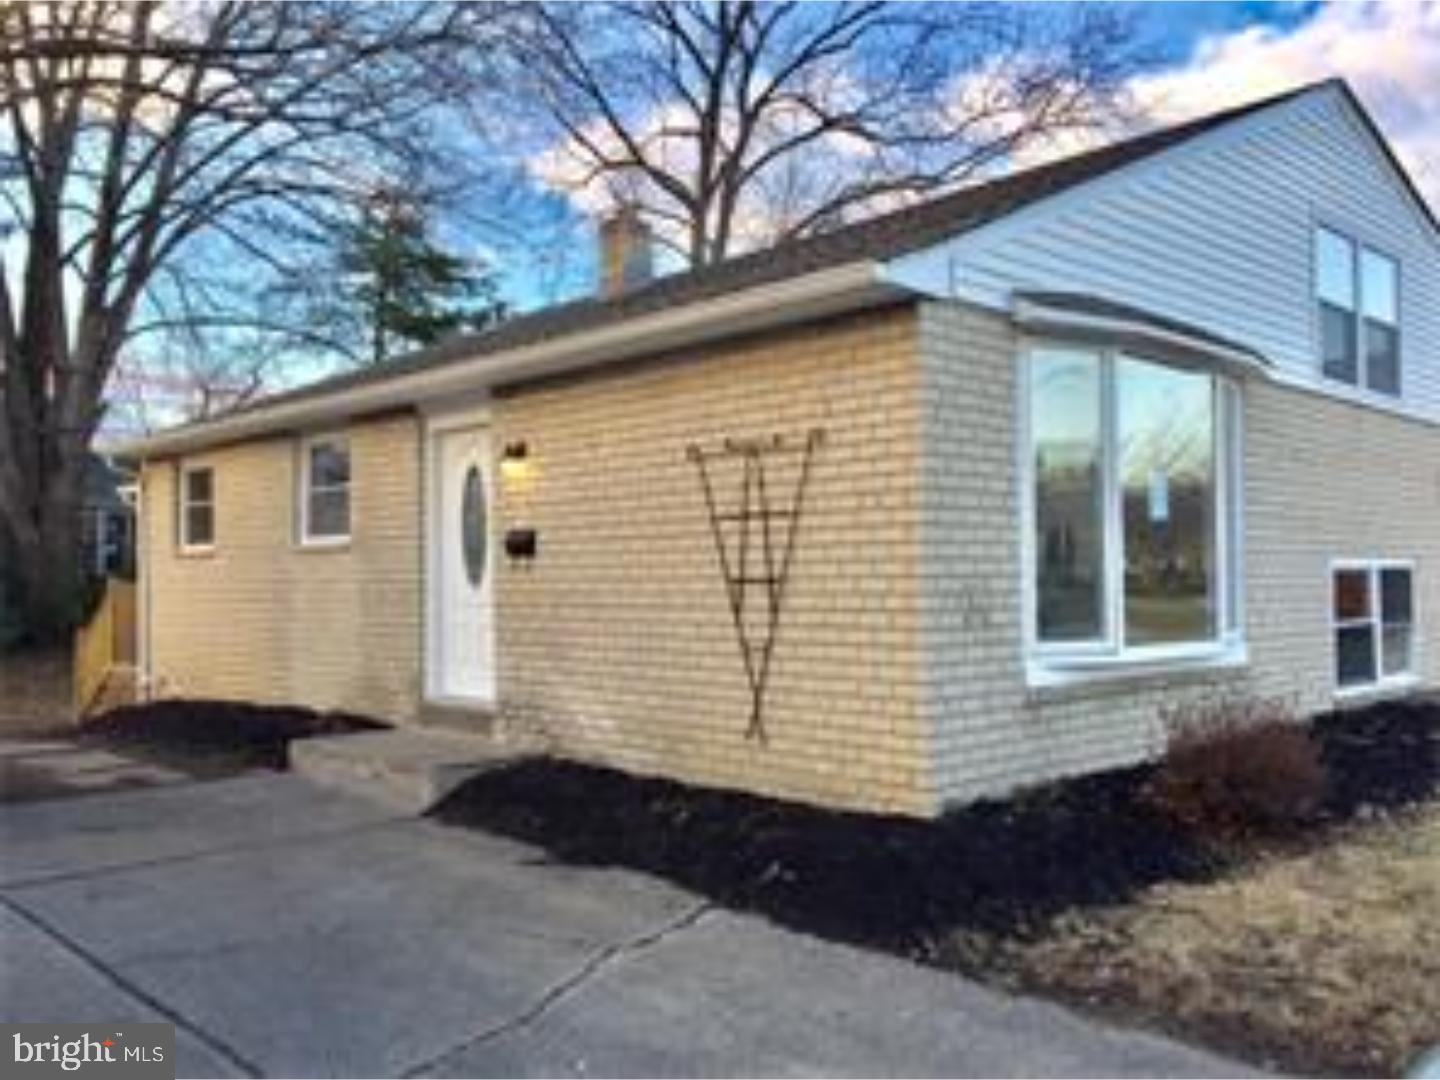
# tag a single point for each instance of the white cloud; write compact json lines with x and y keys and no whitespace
{"x":1389,"y":53}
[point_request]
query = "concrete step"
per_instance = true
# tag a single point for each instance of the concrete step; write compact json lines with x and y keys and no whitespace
{"x":457,"y":719}
{"x":404,"y":768}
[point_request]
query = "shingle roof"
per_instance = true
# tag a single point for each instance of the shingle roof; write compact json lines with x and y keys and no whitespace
{"x":879,"y":238}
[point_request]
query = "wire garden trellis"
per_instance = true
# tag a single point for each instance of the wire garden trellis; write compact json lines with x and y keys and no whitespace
{"x":766,"y":524}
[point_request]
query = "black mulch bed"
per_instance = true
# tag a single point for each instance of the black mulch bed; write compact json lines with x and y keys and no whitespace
{"x":217,"y":732}
{"x":1384,"y":756}
{"x":891,"y":882}
{"x":993,"y":868}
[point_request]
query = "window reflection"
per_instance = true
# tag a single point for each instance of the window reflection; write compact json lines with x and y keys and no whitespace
{"x":1167,"y":455}
{"x":1069,"y":524}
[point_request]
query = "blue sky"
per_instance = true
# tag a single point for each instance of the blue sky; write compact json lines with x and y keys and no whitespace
{"x":1177,"y":27}
{"x":1204,"y":56}
{"x":1211,"y":55}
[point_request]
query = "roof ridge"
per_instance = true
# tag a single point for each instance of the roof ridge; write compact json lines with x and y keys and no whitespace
{"x":877,"y":238}
{"x":1169,"y":134}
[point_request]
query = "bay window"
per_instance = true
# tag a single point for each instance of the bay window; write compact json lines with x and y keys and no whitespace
{"x":1132,"y":507}
{"x":1067,"y":430}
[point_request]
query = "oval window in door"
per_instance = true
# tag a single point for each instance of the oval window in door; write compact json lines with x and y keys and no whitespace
{"x":474,"y":526}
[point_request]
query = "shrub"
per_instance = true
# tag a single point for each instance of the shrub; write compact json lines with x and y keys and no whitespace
{"x":1238,"y":770}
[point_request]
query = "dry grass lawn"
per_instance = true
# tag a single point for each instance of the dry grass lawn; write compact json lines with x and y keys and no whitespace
{"x":1322,"y":962}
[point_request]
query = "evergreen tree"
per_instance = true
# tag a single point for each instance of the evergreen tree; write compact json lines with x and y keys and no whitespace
{"x":400,"y":289}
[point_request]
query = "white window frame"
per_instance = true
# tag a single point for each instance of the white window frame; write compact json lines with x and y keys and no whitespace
{"x":185,"y":504}
{"x":1064,"y":663}
{"x":1376,"y":622}
{"x":1359,"y":247}
{"x":305,"y":487}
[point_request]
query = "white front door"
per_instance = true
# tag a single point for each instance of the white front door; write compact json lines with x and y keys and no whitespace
{"x":462,"y":561}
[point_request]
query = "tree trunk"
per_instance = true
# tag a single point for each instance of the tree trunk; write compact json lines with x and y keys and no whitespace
{"x":47,"y":557}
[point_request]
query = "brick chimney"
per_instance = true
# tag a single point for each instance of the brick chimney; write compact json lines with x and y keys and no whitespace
{"x":625,"y":255}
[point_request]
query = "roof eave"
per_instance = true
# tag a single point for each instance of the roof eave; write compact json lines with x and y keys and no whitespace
{"x":1174,"y":343}
{"x":822,"y":293}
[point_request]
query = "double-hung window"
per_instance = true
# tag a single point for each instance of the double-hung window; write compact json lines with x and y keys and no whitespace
{"x":1132,"y":509}
{"x":1357,"y":296}
{"x":197,"y":508}
{"x":325,"y":490}
{"x":1374,"y":617}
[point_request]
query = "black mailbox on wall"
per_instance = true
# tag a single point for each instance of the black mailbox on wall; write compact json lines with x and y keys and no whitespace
{"x":521,"y":543}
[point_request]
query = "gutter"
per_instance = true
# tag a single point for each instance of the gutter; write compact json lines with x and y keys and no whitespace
{"x":823,"y":293}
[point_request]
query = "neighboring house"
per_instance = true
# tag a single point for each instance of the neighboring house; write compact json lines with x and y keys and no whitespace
{"x":107,"y":518}
{"x":1153,"y":424}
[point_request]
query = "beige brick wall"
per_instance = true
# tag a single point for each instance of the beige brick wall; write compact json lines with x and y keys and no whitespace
{"x":264,"y":619}
{"x":1328,"y":480}
{"x":1323,"y":480}
{"x":898,"y":679}
{"x":618,"y":643}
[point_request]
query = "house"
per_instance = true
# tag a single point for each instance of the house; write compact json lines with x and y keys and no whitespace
{"x":107,"y":518}
{"x":1013,"y":471}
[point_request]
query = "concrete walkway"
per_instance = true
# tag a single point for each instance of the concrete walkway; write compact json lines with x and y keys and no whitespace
{"x":289,"y":930}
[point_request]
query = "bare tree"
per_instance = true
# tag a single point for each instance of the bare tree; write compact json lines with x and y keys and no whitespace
{"x":184,"y":379}
{"x":137,"y":137}
{"x":740,"y":123}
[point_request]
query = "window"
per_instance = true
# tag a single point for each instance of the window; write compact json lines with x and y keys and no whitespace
{"x":474,"y":527}
{"x":1133,"y":528}
{"x":1070,"y":503}
{"x":1380,"y":321}
{"x":1374,"y":617}
{"x":197,"y":508}
{"x":325,"y":491}
{"x":1357,"y":293}
{"x":1335,"y":294}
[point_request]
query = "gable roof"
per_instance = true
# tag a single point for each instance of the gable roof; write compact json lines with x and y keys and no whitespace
{"x":1431,"y":213}
{"x":875,"y":240}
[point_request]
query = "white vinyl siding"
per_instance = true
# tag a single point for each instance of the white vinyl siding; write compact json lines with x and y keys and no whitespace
{"x":1219,"y":232}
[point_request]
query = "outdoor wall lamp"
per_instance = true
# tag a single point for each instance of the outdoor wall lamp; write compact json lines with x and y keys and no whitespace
{"x":514,"y":460}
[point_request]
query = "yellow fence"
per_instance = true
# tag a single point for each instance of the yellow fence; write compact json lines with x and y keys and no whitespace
{"x":105,"y":645}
